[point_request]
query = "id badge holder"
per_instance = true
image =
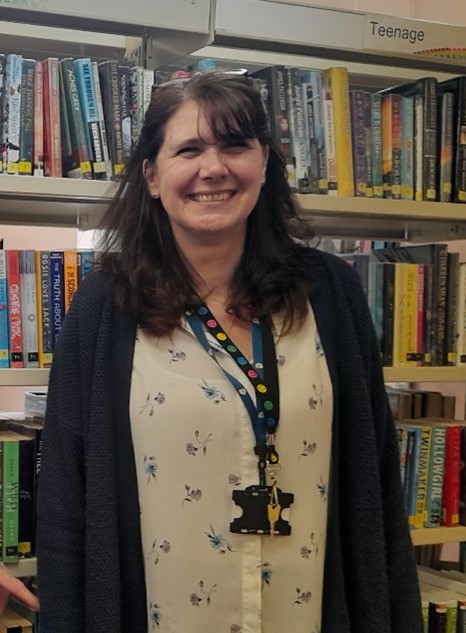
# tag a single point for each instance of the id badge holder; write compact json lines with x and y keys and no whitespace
{"x":254,"y":501}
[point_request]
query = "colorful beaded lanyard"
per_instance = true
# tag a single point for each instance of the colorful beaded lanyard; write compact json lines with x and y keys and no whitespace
{"x":263,"y":376}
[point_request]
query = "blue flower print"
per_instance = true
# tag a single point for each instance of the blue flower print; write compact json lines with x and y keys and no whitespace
{"x":266,"y":573}
{"x":281,"y":360}
{"x":195,"y":599}
{"x":154,"y":615}
{"x":212,"y":393}
{"x":306,"y":551}
{"x":218,"y":542}
{"x":151,"y":467}
{"x":316,"y":398}
{"x":149,"y":403}
{"x":191,"y":447}
{"x":303,"y":596}
{"x":192,"y":494}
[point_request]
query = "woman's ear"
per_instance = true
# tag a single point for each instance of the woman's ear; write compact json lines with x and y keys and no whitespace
{"x":148,"y":171}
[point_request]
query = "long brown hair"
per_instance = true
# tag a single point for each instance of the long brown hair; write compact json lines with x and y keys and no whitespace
{"x":151,"y":278}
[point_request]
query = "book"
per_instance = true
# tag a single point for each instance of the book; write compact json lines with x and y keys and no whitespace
{"x":123,"y":75}
{"x":391,"y":143}
{"x":44,"y":308}
{"x":407,"y":148}
{"x":451,"y":477}
{"x":338,"y":82}
{"x":12,"y":113}
{"x":80,"y":163}
{"x":309,"y":104}
{"x":446,"y":126}
{"x":70,"y":277}
{"x":14,"y":309}
{"x":87,"y":95}
{"x":457,"y":86}
{"x":451,"y":309}
{"x":26,"y":118}
{"x":376,"y":145}
{"x":52,"y":125}
{"x":57,"y":292}
{"x":329,"y":135}
{"x":4,"y":325}
{"x":38,"y":168}
{"x":10,"y":495}
{"x":358,"y":130}
{"x":461,"y":317}
{"x":27,"y":275}
{"x":100,"y":113}
{"x":109,"y":86}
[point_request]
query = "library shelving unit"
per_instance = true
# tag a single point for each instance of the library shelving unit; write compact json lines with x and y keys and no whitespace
{"x":379,"y":51}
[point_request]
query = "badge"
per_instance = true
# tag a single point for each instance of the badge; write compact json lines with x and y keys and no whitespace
{"x":262,"y":507}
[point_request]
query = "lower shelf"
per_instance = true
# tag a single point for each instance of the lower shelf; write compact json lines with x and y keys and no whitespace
{"x":434,"y":536}
{"x":24,"y":567}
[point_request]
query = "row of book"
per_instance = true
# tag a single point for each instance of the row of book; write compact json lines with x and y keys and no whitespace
{"x":417,"y":298}
{"x":407,"y":142}
{"x":70,"y":117}
{"x":432,"y":458}
{"x":20,"y":456}
{"x":443,"y":594}
{"x":36,"y":289}
{"x":11,"y":621}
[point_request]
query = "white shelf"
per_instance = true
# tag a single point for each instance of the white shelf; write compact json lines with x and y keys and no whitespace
{"x":437,"y":535}
{"x":425,"y":374}
{"x":24,"y":377}
{"x":24,"y":567}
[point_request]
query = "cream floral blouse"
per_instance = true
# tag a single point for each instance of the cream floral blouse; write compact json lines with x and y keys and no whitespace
{"x":193,"y":445}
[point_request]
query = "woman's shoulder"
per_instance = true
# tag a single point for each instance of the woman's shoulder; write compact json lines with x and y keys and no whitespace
{"x":330,"y":264}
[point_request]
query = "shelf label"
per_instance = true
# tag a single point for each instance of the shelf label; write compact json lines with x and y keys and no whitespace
{"x":418,"y":37}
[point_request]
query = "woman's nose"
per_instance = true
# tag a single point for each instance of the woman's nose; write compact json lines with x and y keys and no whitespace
{"x":213,"y":163}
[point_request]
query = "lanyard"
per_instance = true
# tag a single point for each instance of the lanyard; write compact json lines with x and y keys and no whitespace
{"x":263,"y":376}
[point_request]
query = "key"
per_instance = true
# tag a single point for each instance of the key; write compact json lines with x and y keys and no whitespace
{"x":273,"y":514}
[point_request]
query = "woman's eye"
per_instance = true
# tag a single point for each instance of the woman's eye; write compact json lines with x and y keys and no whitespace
{"x":186,"y":151}
{"x":236,"y":146}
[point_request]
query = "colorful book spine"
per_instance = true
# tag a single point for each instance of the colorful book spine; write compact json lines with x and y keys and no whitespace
{"x":376,"y":145}
{"x":14,"y":306}
{"x":446,"y":126}
{"x":12,"y":113}
{"x":407,"y":148}
{"x":2,"y":106}
{"x":70,"y":277}
{"x":310,"y":135}
{"x":57,"y":293}
{"x":87,"y":95}
{"x":299,"y":139}
{"x":123,"y":81}
{"x":339,"y":83}
{"x":451,"y":477}
{"x":38,"y":145}
{"x":44,"y":308}
{"x":87,"y":263}
{"x":329,"y":136}
{"x":52,"y":125}
{"x":368,"y":137}
{"x":27,"y":118}
{"x":358,"y":128}
{"x":10,"y":494}
{"x":391,"y":141}
{"x":109,"y":86}
{"x":27,"y":272}
{"x":461,"y":317}
{"x":100,"y":113}
{"x":4,"y":326}
{"x":434,"y":491}
{"x":422,"y":476}
{"x":315,"y":80}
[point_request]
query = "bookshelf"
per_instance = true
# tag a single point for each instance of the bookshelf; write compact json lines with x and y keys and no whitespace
{"x":284,"y":33}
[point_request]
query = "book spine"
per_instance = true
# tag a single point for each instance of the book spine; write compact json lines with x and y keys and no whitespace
{"x":338,"y":77}
{"x":26,"y":498}
{"x":87,"y":263}
{"x":421,"y":491}
{"x":57,"y":293}
{"x":282,"y":122}
{"x":86,"y":89}
{"x":27,"y":117}
{"x":430,"y":139}
{"x":446,"y":114}
{"x":2,"y":107}
{"x":315,"y":79}
{"x":70,"y":278}
{"x":388,"y":313}
{"x":451,"y":309}
{"x":451,"y":478}
{"x":418,"y":147}
{"x":435,"y":477}
{"x":368,"y":144}
{"x":27,"y":271}
{"x":38,"y":144}
{"x":310,"y":135}
{"x":440,"y":308}
{"x":407,"y":148}
{"x":100,"y":112}
{"x":44,"y":308}
{"x":400,"y":315}
{"x":4,"y":327}
{"x":413,"y":469}
{"x":109,"y":86}
{"x":402,"y":436}
{"x":461,"y":317}
{"x":10,"y":500}
{"x":460,"y":153}
{"x":376,"y":145}
{"x":12,"y":112}
{"x":123,"y":82}
{"x":52,"y":124}
{"x":358,"y":128}
{"x":419,"y":334}
{"x":329,"y":135}
{"x":136,"y":101}
{"x":14,"y":305}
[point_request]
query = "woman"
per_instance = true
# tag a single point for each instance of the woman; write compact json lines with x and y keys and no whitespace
{"x":218,"y":450}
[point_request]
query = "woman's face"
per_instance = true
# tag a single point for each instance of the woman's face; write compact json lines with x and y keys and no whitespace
{"x":207,"y":187}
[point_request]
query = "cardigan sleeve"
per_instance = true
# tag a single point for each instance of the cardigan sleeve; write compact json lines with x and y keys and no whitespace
{"x":403,"y":586}
{"x":61,"y":494}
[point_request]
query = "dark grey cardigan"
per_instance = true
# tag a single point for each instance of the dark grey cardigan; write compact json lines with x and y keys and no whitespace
{"x":90,"y":568}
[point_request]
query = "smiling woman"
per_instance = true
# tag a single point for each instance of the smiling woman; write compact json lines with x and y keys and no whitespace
{"x":193,"y":367}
